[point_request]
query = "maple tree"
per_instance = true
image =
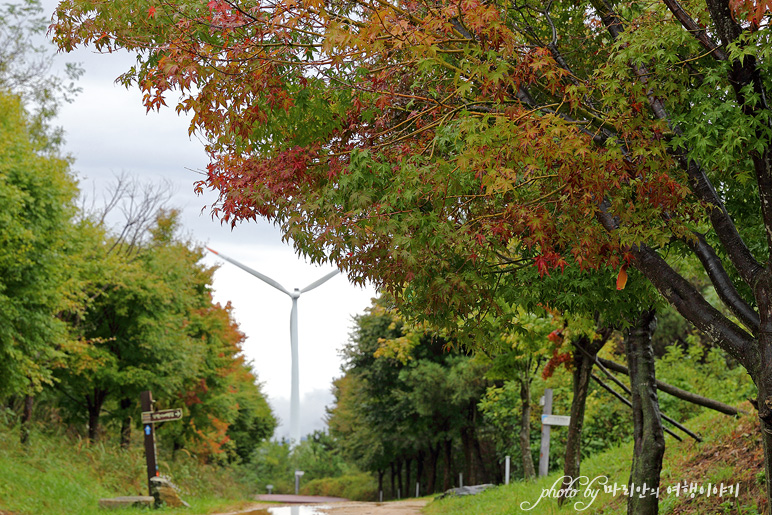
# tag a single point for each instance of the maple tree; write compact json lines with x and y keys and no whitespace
{"x":38,"y":193}
{"x":441,"y":144}
{"x":143,"y":318}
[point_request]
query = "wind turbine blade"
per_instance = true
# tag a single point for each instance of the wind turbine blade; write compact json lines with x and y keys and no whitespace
{"x":257,"y":274}
{"x":320,"y":281}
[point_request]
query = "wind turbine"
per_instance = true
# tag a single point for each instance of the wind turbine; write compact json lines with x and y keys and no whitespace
{"x":294,"y":295}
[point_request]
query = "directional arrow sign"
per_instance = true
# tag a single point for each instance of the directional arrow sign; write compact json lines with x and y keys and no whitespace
{"x":154,"y":417}
{"x":555,"y":420}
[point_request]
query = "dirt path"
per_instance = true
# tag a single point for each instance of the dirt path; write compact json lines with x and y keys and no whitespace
{"x":409,"y":507}
{"x":370,"y":508}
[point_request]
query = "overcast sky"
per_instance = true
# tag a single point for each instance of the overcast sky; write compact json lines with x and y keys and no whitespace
{"x":108,"y":132}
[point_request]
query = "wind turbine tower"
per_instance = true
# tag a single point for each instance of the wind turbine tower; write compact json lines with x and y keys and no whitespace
{"x":294,"y":295}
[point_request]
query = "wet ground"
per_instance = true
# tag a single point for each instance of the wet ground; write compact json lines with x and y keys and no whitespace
{"x":410,"y":507}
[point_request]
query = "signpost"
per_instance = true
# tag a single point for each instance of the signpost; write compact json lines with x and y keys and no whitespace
{"x":544,"y":453}
{"x":154,"y":417}
{"x":547,"y":421}
{"x":555,"y":420}
{"x":149,"y":419}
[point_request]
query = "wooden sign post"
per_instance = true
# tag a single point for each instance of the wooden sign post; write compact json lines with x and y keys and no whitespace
{"x":146,"y":401}
{"x":149,"y":419}
{"x":547,"y":421}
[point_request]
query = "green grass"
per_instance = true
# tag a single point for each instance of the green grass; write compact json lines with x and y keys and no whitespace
{"x":682,"y":461}
{"x":56,"y":475}
{"x":506,"y":500}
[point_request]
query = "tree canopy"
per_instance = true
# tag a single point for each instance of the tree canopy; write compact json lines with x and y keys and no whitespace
{"x":35,"y":231}
{"x":434,"y":146}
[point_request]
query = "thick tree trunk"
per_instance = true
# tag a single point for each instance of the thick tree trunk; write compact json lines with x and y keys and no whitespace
{"x":525,"y":429}
{"x":93,"y":423}
{"x":584,"y":357}
{"x":94,"y":405}
{"x":763,"y":376}
{"x":648,"y":435}
{"x":26,"y":419}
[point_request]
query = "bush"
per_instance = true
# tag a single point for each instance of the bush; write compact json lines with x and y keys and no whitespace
{"x":356,"y":487}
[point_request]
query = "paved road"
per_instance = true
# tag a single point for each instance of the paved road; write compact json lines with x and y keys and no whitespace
{"x":409,"y":507}
{"x":298,"y":499}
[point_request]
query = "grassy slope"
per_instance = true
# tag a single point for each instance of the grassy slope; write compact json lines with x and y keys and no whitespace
{"x":57,"y":475}
{"x":730,"y":453}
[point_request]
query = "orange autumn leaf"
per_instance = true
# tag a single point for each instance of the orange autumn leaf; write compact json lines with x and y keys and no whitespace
{"x":622,"y":278}
{"x":151,"y":12}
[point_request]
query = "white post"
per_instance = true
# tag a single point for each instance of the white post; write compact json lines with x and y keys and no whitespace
{"x":461,"y":479}
{"x":544,"y":454}
{"x":298,"y":474}
{"x":506,"y":470}
{"x":295,"y":390}
{"x":380,"y":496}
{"x":417,"y":489}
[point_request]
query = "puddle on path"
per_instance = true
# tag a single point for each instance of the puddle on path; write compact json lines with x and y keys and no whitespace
{"x":289,"y":510}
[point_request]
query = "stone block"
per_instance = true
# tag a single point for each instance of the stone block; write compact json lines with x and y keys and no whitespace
{"x":165,"y":493}
{"x":128,"y":501}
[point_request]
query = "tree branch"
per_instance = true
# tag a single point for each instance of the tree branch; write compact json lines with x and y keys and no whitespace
{"x":692,"y":305}
{"x":677,"y":392}
{"x":688,"y":301}
{"x":630,"y":404}
{"x":695,"y":30}
{"x":722,"y":283}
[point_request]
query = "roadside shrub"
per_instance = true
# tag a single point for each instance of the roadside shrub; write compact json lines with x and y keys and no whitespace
{"x":356,"y":487}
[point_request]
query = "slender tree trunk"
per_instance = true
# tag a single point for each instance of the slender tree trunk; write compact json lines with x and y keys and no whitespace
{"x":126,"y":404}
{"x":484,"y":476}
{"x":407,"y":489}
{"x":420,"y":467}
{"x":474,"y":465}
{"x":434,"y":454}
{"x":26,"y":419}
{"x":525,"y":428}
{"x":398,"y":468}
{"x":648,"y":435}
{"x":466,"y":449}
{"x":584,"y":354}
{"x":447,"y":479}
{"x":393,"y":488}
